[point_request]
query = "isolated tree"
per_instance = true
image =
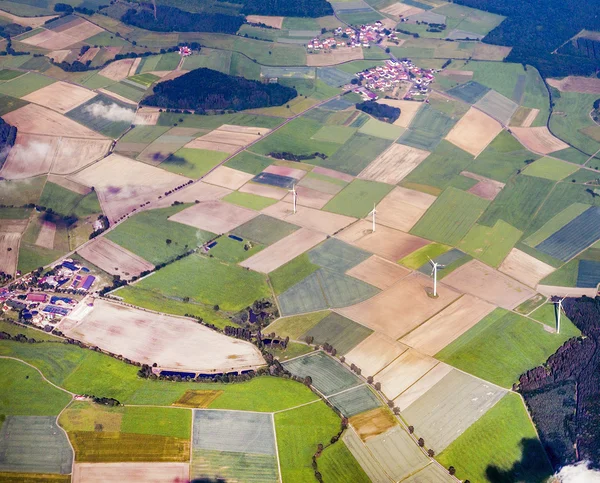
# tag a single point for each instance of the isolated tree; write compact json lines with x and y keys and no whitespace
{"x":411,"y":429}
{"x":452,"y":470}
{"x":378,"y":386}
{"x":421,"y":442}
{"x":307,"y":381}
{"x":390,"y":403}
{"x":431,"y":453}
{"x":370,"y":379}
{"x":309,"y":339}
{"x":168,"y":241}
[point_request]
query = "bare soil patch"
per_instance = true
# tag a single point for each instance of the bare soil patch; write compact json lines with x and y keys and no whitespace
{"x":585,"y":85}
{"x":75,"y":32}
{"x":149,"y":338}
{"x":30,"y":156}
{"x":408,"y":110}
{"x":394,"y":164}
{"x":378,"y":272}
{"x":10,"y":236}
{"x":309,"y":197}
{"x":316,"y":220}
{"x":549,"y":291}
{"x":479,"y":280}
{"x":146,"y":116}
{"x":117,"y":70}
{"x":214,"y":216}
{"x":60,"y":55}
{"x":474,"y":131}
{"x":402,"y":208}
{"x":448,"y":325}
{"x":410,"y":295}
{"x":271,"y":21}
{"x":114,"y":259}
{"x":404,"y":372}
{"x":73,"y":154}
{"x":228,"y":177}
{"x":46,"y":236}
{"x":374,"y":353}
{"x":89,"y":54}
{"x":334,"y":56}
{"x":333,"y":173}
{"x":285,"y":171}
{"x":525,"y":268}
{"x":284,"y":250}
{"x":69,"y":184}
{"x":34,"y":119}
{"x":538,"y":139}
{"x":528,"y":121}
{"x":33,"y":22}
{"x":372,"y":423}
{"x":414,"y":392}
{"x":401,"y":10}
{"x":486,"y":188}
{"x":130,"y":472}
{"x":264,"y":190}
{"x":385,"y":242}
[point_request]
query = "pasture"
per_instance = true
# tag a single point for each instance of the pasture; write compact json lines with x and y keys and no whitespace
{"x":248,"y":162}
{"x":550,"y":168}
{"x":469,"y":92}
{"x":291,"y":273}
{"x":340,"y":466}
{"x":193,"y":163}
{"x":490,"y":245}
{"x":25,"y":85}
{"x":339,"y":332}
{"x":296,"y":325}
{"x":427,"y":129}
{"x":358,"y":198}
{"x":249,"y":200}
{"x":523,"y":344}
{"x":207,"y":281}
{"x":451,"y":216}
{"x":356,"y":154}
{"x":355,"y":401}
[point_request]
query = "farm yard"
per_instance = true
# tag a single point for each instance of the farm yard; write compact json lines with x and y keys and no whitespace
{"x":312,"y":221}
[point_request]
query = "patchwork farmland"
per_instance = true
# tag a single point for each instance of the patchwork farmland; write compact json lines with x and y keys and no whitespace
{"x":291,"y":243}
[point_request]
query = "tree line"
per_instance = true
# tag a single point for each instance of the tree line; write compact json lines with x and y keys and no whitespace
{"x":382,"y":112}
{"x":8,"y":135}
{"x":288,"y":8}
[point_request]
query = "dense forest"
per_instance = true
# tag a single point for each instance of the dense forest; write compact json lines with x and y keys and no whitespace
{"x":536,"y":28}
{"x":171,"y":19}
{"x":205,"y":89}
{"x":8,"y":134}
{"x":563,"y":395}
{"x":382,"y":112}
{"x":288,"y":8}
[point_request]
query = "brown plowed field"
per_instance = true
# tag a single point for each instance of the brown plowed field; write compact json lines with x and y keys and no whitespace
{"x":487,"y":188}
{"x":309,"y":197}
{"x":378,"y":272}
{"x":316,"y":220}
{"x":394,"y":164}
{"x":525,"y":268}
{"x":408,"y":110}
{"x":130,"y":472}
{"x":474,"y":131}
{"x":586,"y":85}
{"x":271,"y":21}
{"x":402,"y":208}
{"x":117,"y":70}
{"x":374,"y":353}
{"x":228,"y":178}
{"x":373,"y":422}
{"x":538,"y":139}
{"x":45,"y":238}
{"x":264,"y":190}
{"x":214,"y":216}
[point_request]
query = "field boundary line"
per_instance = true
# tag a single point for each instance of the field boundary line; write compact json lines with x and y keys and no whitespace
{"x":195,"y":409}
{"x":276,"y":447}
{"x":299,"y":405}
{"x":40,"y":372}
{"x":192,"y":439}
{"x":66,"y":433}
{"x":346,"y":390}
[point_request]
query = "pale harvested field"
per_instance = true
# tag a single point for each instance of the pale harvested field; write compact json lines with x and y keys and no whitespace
{"x":285,"y":171}
{"x":89,"y":54}
{"x":271,"y":21}
{"x":474,"y":131}
{"x":214,"y":216}
{"x":448,"y":325}
{"x":73,"y":35}
{"x":31,"y":155}
{"x":13,"y":226}
{"x":333,"y":173}
{"x":378,"y":272}
{"x":135,"y":184}
{"x":8,"y":261}
{"x":69,"y":184}
{"x":404,"y":372}
{"x":212,"y":146}
{"x":309,"y":197}
{"x":549,"y":291}
{"x":73,"y":154}
{"x":60,"y":55}
{"x":464,"y":75}
{"x":585,"y":85}
{"x":130,"y":472}
{"x":335,"y":56}
{"x":525,"y":268}
{"x":530,"y":118}
{"x":146,"y":116}
{"x":401,"y":10}
{"x":45,"y":238}
{"x":414,"y":392}
{"x":33,"y":22}
{"x":322,"y":221}
{"x":228,"y":178}
{"x":385,"y":242}
{"x":117,"y":97}
{"x":490,"y":52}
{"x":227,"y":137}
{"x":479,"y":280}
{"x":114,"y":259}
{"x":402,"y":208}
{"x":394,"y":164}
{"x":538,"y":139}
{"x":38,"y":39}
{"x":195,"y":192}
{"x":264,"y":190}
{"x":284,"y":250}
{"x":409,"y":296}
{"x":373,"y":422}
{"x":149,"y":338}
{"x":487,"y":188}
{"x":34,"y":119}
{"x":408,"y":110}
{"x":134,"y":66}
{"x":117,"y":70}
{"x":374,"y":353}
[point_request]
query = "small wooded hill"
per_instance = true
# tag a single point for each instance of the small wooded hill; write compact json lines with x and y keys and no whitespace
{"x":206,"y":89}
{"x":8,"y":134}
{"x":288,"y":8}
{"x":382,"y":112}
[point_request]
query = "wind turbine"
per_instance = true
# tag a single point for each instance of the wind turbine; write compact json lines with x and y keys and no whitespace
{"x":294,"y":195}
{"x":434,"y":270}
{"x":557,"y":301}
{"x":374,"y":212}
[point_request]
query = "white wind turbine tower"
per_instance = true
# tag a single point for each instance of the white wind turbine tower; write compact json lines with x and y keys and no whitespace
{"x":557,"y":301}
{"x":374,"y":212}
{"x":434,"y":270}
{"x":294,"y":195}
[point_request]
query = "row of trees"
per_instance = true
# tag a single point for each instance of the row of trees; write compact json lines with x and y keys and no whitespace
{"x":8,"y":136}
{"x":288,"y":8}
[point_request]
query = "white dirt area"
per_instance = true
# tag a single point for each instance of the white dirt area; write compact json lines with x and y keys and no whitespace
{"x":60,"y":96}
{"x":374,"y":353}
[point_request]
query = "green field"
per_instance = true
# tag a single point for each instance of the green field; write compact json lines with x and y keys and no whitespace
{"x":9,"y":104}
{"x":546,"y":314}
{"x":572,"y":155}
{"x":550,"y":168}
{"x":297,"y":441}
{"x":248,"y":200}
{"x":19,"y":193}
{"x":265,"y":229}
{"x":490,"y":245}
{"x":233,"y":251}
{"x":556,"y":223}
{"x":7,"y":74}
{"x":427,"y":129}
{"x":144,"y":134}
{"x":340,"y":466}
{"x":25,"y":85}
{"x":249,"y":162}
{"x":356,"y":154}
{"x":503,"y":440}
{"x":212,"y":59}
{"x":108,"y":127}
{"x":502,"y":346}
{"x":570,"y":116}
{"x":127,"y":91}
{"x":212,"y":465}
{"x":213,"y":122}
{"x":146,"y":235}
{"x":29,"y":394}
{"x":381,"y":130}
{"x":421,"y":256}
{"x":358,"y":198}
{"x":342,"y":333}
{"x":144,"y":79}
{"x":296,"y":325}
{"x":291,"y":273}
{"x":565,"y":276}
{"x":518,"y":202}
{"x":450,"y":217}
{"x":193,"y":163}
{"x":208,"y":281}
{"x":334,"y":134}
{"x":67,"y":202}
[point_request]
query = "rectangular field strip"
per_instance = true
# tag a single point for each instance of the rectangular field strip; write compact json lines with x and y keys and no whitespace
{"x":355,"y":401}
{"x":230,"y":466}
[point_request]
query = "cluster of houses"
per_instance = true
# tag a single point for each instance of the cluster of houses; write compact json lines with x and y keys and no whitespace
{"x":387,"y":77}
{"x":36,"y":299}
{"x":363,"y":36}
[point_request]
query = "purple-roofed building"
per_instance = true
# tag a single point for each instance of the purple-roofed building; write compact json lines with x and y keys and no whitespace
{"x":87,"y":283}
